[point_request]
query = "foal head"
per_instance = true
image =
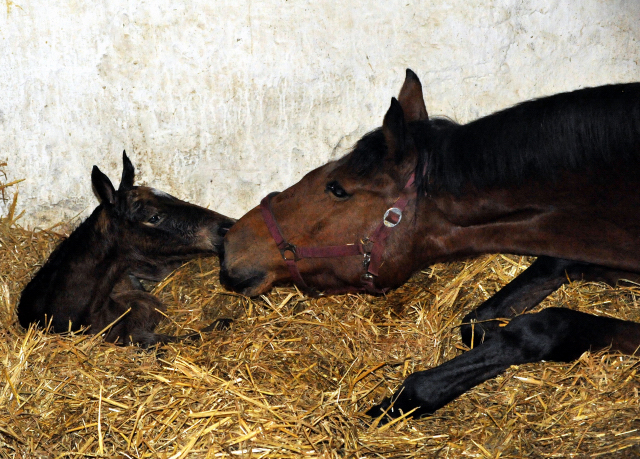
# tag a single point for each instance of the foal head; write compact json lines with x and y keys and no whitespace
{"x":155,"y":230}
{"x":339,"y":203}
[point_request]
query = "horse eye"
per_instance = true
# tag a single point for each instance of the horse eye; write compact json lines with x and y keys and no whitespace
{"x":335,"y":189}
{"x":154,"y":219}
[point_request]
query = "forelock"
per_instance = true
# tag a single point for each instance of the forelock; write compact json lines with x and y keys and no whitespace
{"x":368,"y":153}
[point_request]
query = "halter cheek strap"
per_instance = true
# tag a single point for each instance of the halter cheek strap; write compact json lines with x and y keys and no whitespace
{"x":371,"y":248}
{"x":292,"y":253}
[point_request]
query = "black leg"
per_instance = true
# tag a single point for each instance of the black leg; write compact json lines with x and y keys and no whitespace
{"x":543,"y":277}
{"x":138,"y":325}
{"x":553,"y":334}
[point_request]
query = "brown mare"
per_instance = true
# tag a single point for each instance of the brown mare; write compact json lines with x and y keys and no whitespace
{"x":557,"y":177}
{"x":92,"y":278}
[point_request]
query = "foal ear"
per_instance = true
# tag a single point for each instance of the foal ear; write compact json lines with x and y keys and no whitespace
{"x":128,"y":173}
{"x":103,"y":187}
{"x":393,"y":128}
{"x":411,"y":98}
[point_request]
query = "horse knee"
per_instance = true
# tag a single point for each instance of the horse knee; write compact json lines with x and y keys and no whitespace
{"x":471,"y":332}
{"x":474,"y":332}
{"x":139,"y":314}
{"x":555,"y":334}
{"x":145,"y":339}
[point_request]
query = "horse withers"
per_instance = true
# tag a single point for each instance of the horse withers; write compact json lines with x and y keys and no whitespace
{"x":91,"y":280}
{"x":557,"y":177}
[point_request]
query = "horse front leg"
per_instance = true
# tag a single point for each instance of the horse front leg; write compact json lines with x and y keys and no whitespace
{"x":137,"y":326}
{"x":554,"y":334}
{"x":132,"y":316}
{"x":543,"y":277}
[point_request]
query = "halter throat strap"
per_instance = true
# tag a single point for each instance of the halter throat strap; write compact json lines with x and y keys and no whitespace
{"x":370,"y":248}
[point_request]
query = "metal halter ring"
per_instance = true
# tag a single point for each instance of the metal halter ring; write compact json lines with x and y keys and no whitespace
{"x":291,"y":249}
{"x":393,"y":210}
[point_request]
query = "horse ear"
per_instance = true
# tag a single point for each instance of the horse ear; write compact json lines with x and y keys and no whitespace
{"x":103,"y":187}
{"x":393,"y":128}
{"x":128,"y":173}
{"x":411,"y":98}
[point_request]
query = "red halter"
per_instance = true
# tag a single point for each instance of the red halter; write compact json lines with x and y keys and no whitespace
{"x":371,"y":248}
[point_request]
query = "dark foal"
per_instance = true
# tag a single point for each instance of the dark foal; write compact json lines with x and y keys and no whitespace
{"x":557,"y":177}
{"x":91,"y":280}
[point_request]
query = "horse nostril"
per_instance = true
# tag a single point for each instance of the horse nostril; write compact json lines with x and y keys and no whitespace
{"x":224,"y":228}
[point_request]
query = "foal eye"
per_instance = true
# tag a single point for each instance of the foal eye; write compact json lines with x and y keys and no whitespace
{"x":154,"y":219}
{"x":335,"y":189}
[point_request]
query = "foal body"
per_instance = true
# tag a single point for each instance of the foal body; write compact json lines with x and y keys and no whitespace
{"x":557,"y":178}
{"x":91,"y":279}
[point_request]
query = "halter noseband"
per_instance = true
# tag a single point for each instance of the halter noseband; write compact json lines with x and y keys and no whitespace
{"x":371,"y":248}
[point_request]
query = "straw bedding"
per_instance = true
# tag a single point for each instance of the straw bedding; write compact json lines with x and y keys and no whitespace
{"x":292,"y":375}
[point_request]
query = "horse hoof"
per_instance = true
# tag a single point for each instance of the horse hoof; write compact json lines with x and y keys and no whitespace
{"x":218,"y":325}
{"x":381,"y":409}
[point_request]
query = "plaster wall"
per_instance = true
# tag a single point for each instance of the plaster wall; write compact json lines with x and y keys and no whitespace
{"x":219,"y":102}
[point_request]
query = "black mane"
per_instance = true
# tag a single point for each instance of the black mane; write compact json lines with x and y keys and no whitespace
{"x":578,"y":130}
{"x":535,"y":140}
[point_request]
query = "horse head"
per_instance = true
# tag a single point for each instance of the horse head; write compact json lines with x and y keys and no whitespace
{"x":339,"y":204}
{"x":158,"y":230}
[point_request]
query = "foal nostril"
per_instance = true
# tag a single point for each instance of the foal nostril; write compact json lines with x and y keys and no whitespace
{"x":223,"y":229}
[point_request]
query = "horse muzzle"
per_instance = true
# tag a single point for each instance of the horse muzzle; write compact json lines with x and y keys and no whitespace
{"x":247,"y":282}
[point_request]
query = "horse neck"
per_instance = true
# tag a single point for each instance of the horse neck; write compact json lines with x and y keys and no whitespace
{"x":498,"y":220}
{"x":90,"y":256}
{"x":449,"y":227}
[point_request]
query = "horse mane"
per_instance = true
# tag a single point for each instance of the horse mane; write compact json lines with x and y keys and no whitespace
{"x":535,"y":140}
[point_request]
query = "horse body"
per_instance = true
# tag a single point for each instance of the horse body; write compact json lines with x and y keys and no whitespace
{"x":91,"y":279}
{"x":554,"y":176}
{"x":557,"y":178}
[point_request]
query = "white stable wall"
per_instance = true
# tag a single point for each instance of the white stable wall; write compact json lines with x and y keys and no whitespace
{"x":220,"y":102}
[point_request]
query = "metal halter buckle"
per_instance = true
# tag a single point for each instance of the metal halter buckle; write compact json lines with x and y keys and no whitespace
{"x":392,"y":210}
{"x":367,"y":247}
{"x":366,"y":260}
{"x":366,"y":278}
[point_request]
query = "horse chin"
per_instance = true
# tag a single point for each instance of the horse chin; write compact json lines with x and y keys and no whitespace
{"x":249,"y":283}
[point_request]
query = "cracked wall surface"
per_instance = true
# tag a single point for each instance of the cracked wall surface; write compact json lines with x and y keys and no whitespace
{"x":221,"y":102}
